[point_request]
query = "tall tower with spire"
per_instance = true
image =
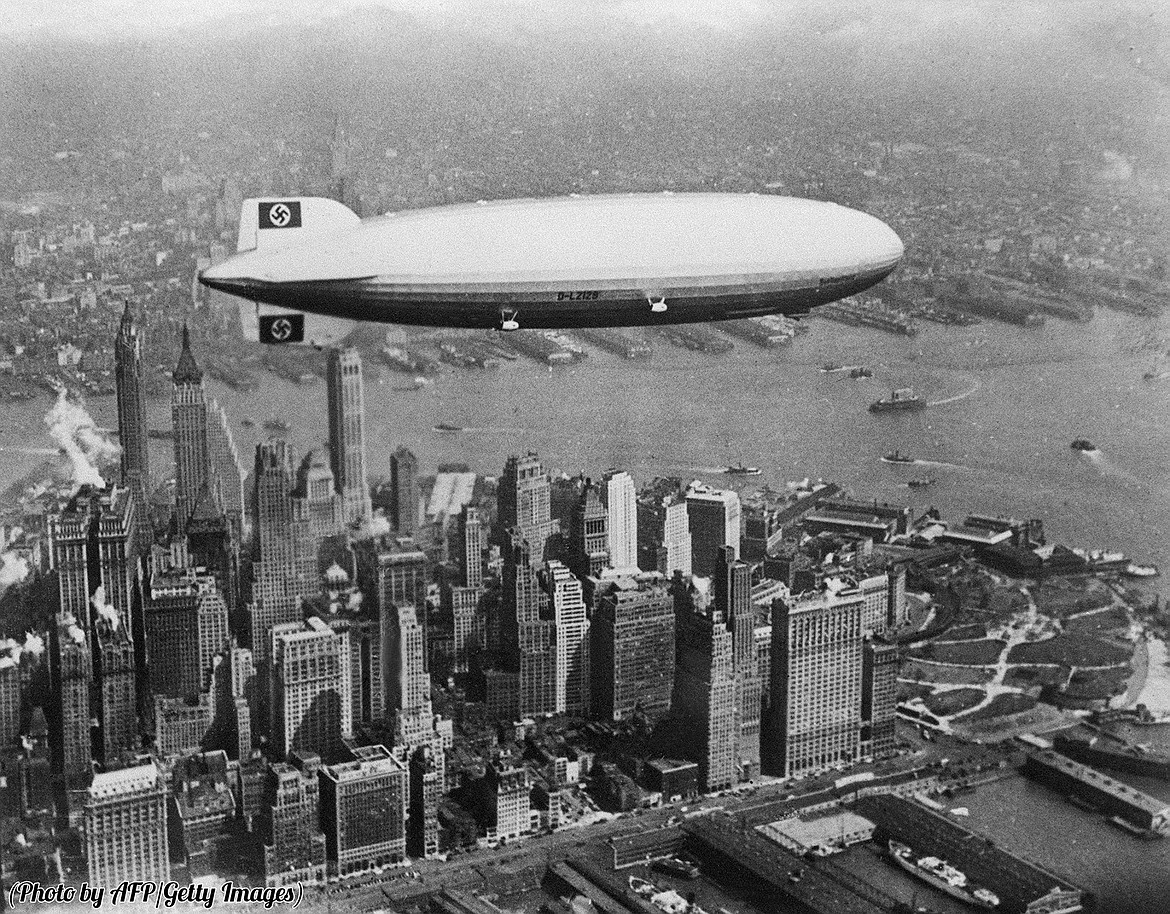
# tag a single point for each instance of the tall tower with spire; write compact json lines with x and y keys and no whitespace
{"x":189,"y":417}
{"x":132,"y":428}
{"x":131,"y":400}
{"x":347,"y":436}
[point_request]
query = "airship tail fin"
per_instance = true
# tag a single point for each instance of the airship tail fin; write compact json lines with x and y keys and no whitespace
{"x":278,"y":325}
{"x":268,"y":223}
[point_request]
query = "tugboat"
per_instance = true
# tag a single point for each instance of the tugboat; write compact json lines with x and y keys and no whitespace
{"x":1137,"y":570}
{"x":447,"y":427}
{"x":942,"y":876}
{"x":740,"y":470}
{"x":897,"y":457}
{"x":1083,"y":444}
{"x":860,"y":371}
{"x":900,"y":399}
{"x":921,"y":483}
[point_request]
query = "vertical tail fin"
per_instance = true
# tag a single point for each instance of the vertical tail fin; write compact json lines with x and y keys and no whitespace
{"x":267,"y":223}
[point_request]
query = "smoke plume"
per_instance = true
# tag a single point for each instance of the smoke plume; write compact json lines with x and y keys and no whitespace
{"x":75,"y":432}
{"x":104,"y":609}
{"x":374,"y":527}
{"x":13,"y":569}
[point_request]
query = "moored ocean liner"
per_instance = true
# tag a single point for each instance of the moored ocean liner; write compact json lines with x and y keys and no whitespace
{"x":942,"y":876}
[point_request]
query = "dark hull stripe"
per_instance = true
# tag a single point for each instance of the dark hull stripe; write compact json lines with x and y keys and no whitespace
{"x":365,"y":301}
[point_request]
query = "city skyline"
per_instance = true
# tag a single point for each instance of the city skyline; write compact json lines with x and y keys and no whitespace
{"x":755,"y":613}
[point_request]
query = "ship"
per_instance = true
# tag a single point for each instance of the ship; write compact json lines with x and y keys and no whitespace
{"x":1137,"y":570}
{"x":902,"y":398}
{"x":248,"y":422}
{"x":1083,"y":444}
{"x":860,"y":372}
{"x":942,"y":876}
{"x":921,"y":482}
{"x":830,"y":367}
{"x":740,"y":470}
{"x":897,"y":457}
{"x":676,"y":866}
{"x":276,"y":425}
{"x":446,"y":427}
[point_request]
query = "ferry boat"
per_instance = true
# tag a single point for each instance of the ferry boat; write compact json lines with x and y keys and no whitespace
{"x":447,"y":427}
{"x":860,"y":372}
{"x":830,"y":367}
{"x":942,"y":876}
{"x":740,"y":470}
{"x":897,"y":457}
{"x":1083,"y":444}
{"x":900,"y":399}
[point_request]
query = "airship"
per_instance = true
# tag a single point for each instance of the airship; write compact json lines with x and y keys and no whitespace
{"x":305,"y":263}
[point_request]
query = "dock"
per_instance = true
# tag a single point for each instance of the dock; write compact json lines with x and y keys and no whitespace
{"x":1111,"y":797}
{"x":628,"y":347}
{"x":869,"y":314}
{"x":1022,"y":886}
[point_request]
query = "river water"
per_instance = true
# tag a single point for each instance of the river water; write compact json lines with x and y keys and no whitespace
{"x":1006,"y":403}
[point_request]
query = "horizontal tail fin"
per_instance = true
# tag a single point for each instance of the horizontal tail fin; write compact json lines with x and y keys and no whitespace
{"x":267,"y":223}
{"x":281,"y":326}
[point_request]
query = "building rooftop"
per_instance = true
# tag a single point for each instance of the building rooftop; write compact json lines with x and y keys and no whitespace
{"x":125,"y":782}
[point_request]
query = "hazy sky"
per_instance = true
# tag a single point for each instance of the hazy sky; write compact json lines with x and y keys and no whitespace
{"x":898,"y":20}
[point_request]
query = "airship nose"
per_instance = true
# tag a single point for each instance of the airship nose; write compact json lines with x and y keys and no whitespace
{"x":882,"y":245}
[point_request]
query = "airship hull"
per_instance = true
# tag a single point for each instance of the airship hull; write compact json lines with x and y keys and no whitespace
{"x":552,"y":309}
{"x":608,"y":260}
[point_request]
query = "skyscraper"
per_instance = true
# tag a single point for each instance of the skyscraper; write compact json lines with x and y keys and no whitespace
{"x":632,"y":654}
{"x":814,"y":713}
{"x":713,"y":519}
{"x":125,"y":827}
{"x":664,"y":536}
{"x":879,"y":697}
{"x":363,"y":811}
{"x":311,"y":702}
{"x":347,"y":437}
{"x":621,"y":504}
{"x":571,"y":671}
{"x":408,"y":687}
{"x":172,"y":632}
{"x":400,"y":578}
{"x":404,"y":491}
{"x":732,"y":587}
{"x":704,"y":695}
{"x":527,"y":632}
{"x":72,"y":677}
{"x":525,"y":505}
{"x":94,"y":546}
{"x":294,"y":845}
{"x":225,"y":468}
{"x":317,"y":499}
{"x":190,"y":420}
{"x":132,"y":422}
{"x":589,"y":534}
{"x":285,"y":568}
{"x":116,"y":693}
{"x":131,"y":393}
{"x":471,"y":540}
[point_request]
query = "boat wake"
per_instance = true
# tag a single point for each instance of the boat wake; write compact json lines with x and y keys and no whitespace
{"x":955,"y":399}
{"x":1107,"y":468}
